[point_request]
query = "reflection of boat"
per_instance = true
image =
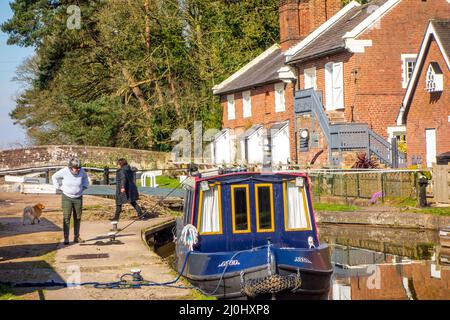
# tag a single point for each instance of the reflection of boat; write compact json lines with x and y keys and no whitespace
{"x":256,"y":237}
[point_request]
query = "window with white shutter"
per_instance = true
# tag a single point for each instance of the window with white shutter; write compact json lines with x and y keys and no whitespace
{"x":231,"y":109}
{"x":334,"y":85}
{"x":329,"y":86}
{"x":338,"y":85}
{"x":280,"y":104}
{"x":247,"y":104}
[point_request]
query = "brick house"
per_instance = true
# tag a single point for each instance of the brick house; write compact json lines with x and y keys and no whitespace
{"x":258,"y":99}
{"x":358,"y":64}
{"x":425,"y":110}
{"x":343,"y":78}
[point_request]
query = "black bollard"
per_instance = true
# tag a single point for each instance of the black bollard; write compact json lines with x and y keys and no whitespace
{"x":47,"y":176}
{"x":106,"y":176}
{"x":423,"y":183}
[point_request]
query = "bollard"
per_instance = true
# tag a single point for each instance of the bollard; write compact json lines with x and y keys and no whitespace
{"x":136,"y":273}
{"x":423,"y":183}
{"x":112,"y":236}
{"x":114,"y":225}
{"x":47,"y":176}
{"x":106,"y":176}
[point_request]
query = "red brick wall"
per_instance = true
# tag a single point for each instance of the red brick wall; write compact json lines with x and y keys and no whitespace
{"x":429,"y":111}
{"x":379,"y":90}
{"x":263,"y":111}
{"x":305,"y":158}
{"x":298,"y":18}
{"x":374,"y":95}
{"x":289,"y":23}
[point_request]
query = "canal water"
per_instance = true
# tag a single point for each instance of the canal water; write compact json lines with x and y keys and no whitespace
{"x":380,"y":263}
{"x":385,"y":263}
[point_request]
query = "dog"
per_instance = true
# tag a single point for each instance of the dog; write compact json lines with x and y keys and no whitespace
{"x":32,"y":213}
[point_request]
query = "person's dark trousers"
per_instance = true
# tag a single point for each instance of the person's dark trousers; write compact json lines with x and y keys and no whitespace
{"x":75,"y":206}
{"x":119,"y":210}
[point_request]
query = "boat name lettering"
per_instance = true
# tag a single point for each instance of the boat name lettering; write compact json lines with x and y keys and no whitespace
{"x":302,"y":259}
{"x":229,"y":263}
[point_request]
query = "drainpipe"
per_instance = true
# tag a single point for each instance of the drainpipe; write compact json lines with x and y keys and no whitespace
{"x":294,"y":83}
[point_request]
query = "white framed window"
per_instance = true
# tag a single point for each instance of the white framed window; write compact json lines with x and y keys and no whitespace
{"x":434,"y":81}
{"x":231,"y":108}
{"x":280,"y":103}
{"x":334,"y":85}
{"x":247,"y":104}
{"x":296,"y":209}
{"x":210,"y":213}
{"x":408,"y":64}
{"x":310,"y":78}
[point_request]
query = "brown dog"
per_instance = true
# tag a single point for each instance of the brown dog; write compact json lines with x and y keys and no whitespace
{"x":32,"y":213}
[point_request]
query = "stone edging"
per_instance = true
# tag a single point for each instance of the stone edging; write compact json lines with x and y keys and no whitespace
{"x":388,"y":219}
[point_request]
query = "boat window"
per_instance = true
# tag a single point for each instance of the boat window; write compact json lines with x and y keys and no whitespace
{"x":240,"y":205}
{"x":264,"y":208}
{"x":296,"y":213}
{"x":210,"y":211}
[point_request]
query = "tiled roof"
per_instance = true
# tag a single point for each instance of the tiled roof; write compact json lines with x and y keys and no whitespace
{"x":331,"y":40}
{"x":250,"y":131}
{"x":442,"y":28}
{"x":263,"y":72}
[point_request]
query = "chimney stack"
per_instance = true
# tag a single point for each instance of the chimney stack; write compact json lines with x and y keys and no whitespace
{"x":298,"y":18}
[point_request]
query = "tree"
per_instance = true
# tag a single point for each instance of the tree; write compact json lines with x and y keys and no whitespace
{"x":136,"y":70}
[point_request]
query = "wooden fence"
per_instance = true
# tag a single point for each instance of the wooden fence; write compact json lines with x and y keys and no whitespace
{"x":365,"y":184}
{"x":441,"y":182}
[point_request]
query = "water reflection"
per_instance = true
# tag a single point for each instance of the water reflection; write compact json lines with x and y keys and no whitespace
{"x":381,"y":263}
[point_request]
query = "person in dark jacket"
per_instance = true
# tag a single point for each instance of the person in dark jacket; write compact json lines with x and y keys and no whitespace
{"x":126,"y":190}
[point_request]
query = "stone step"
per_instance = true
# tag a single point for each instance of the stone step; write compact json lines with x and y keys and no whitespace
{"x":336,"y":116}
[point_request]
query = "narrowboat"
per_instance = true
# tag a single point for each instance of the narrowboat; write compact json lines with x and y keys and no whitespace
{"x":252,"y":235}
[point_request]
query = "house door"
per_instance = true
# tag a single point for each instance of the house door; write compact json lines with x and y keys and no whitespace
{"x":430,"y":140}
{"x":334,"y":85}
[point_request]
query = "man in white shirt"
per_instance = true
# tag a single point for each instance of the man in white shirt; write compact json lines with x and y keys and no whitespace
{"x":72,"y":181}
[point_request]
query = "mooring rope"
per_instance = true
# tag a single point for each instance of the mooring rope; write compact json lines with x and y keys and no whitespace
{"x":123,"y":284}
{"x":142,"y":216}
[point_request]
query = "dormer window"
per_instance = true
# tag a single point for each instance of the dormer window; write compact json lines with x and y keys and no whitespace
{"x":434,"y":81}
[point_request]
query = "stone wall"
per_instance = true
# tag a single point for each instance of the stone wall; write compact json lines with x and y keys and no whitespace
{"x":90,"y":156}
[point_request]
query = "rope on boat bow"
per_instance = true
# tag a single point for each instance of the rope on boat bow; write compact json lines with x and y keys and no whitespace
{"x":189,"y":236}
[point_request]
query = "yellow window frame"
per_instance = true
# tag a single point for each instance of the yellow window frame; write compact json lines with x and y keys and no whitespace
{"x":233,"y":213}
{"x":272,"y":217}
{"x":305,"y":207}
{"x":199,"y":211}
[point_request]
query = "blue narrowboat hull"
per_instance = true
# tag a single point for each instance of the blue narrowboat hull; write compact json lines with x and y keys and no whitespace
{"x":258,"y":237}
{"x":222,"y":274}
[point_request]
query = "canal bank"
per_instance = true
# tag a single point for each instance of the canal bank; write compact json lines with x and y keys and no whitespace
{"x":384,"y":217}
{"x":33,"y":253}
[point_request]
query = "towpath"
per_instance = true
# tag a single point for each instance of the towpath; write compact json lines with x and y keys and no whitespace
{"x":35,"y":253}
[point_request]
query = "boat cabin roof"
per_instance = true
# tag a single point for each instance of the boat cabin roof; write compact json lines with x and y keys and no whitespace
{"x":242,"y":209}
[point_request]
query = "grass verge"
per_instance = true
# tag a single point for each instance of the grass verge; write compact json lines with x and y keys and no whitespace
{"x":334,"y":207}
{"x":163,"y":182}
{"x":6,"y":293}
{"x":410,"y":205}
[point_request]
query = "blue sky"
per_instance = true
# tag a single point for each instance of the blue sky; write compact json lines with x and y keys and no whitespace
{"x":10,"y":58}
